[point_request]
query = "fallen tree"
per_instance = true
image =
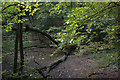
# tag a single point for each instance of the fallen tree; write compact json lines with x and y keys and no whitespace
{"x":67,"y":50}
{"x":43,"y":71}
{"x":43,"y":33}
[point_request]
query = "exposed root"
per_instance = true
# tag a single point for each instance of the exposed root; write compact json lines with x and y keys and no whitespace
{"x":95,"y":73}
{"x":41,"y":73}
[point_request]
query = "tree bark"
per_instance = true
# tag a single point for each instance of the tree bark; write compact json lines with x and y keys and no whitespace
{"x":45,"y":70}
{"x":21,"y":43}
{"x":16,"y":53}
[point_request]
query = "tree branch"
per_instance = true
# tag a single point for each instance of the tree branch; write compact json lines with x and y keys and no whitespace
{"x":11,"y":5}
{"x":43,"y":33}
{"x":94,"y":15}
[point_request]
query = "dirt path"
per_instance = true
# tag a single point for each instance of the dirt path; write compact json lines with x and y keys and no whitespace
{"x":73,"y":67}
{"x":77,"y":67}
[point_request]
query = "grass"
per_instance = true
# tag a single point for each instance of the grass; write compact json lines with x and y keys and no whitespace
{"x":103,"y":54}
{"x":105,"y":59}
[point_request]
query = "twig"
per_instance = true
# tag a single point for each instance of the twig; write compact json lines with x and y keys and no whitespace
{"x":36,"y":62}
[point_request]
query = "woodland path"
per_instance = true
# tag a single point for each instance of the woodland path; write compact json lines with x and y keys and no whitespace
{"x":73,"y":67}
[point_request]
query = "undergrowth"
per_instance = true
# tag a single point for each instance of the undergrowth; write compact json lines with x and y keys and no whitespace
{"x":106,"y":59}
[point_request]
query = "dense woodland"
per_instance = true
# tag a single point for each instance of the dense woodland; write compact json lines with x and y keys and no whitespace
{"x":61,"y":32}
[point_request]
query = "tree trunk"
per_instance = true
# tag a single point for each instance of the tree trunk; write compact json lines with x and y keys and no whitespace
{"x":16,"y":53}
{"x":21,"y":43}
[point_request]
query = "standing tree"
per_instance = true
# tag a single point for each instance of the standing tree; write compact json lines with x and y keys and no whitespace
{"x":20,"y":27}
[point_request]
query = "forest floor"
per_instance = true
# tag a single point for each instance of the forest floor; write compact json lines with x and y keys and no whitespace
{"x":73,"y":67}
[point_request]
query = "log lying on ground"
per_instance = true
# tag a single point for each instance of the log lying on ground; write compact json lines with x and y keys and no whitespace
{"x":45,"y":70}
{"x":54,"y":64}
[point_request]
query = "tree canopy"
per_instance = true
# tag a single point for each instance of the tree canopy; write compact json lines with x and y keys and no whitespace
{"x":69,"y":25}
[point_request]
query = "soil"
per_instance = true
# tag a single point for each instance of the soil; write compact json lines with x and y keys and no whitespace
{"x":73,"y":67}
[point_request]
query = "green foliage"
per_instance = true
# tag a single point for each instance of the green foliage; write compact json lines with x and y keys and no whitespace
{"x":27,"y":43}
{"x":84,"y":22}
{"x":105,"y":59}
{"x":10,"y":75}
{"x":11,"y":13}
{"x":58,"y":50}
{"x":8,"y":46}
{"x":85,"y":17}
{"x":78,"y":16}
{"x":113,"y":37}
{"x":55,"y":30}
{"x":93,"y":48}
